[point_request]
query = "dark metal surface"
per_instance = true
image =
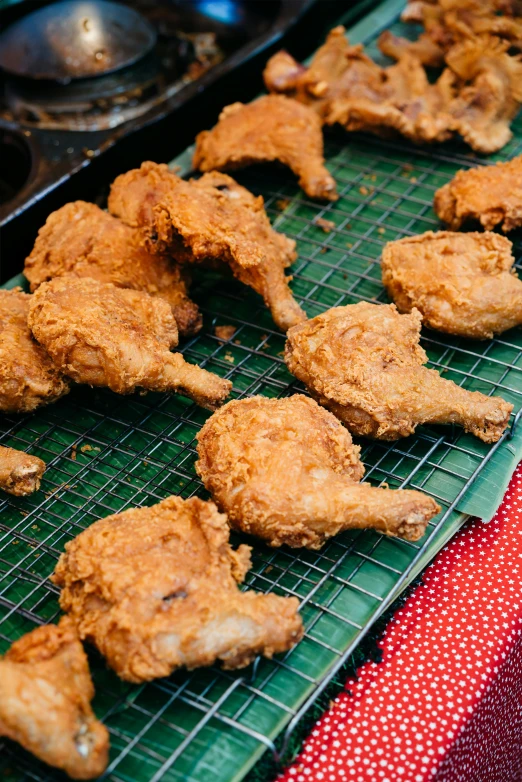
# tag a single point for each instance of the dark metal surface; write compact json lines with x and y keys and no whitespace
{"x":74,"y":40}
{"x":246,"y":34}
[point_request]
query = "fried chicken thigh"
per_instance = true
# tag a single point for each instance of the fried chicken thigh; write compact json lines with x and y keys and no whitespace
{"x":83,"y":240}
{"x":286,"y":470}
{"x":28,"y":377}
{"x":271,"y":128}
{"x":212,"y":220}
{"x":345,"y":86}
{"x":20,"y":473}
{"x":462,"y":283}
{"x":106,"y":336}
{"x":364,"y":363}
{"x":156,"y":589}
{"x":491,"y":195}
{"x":45,"y":695}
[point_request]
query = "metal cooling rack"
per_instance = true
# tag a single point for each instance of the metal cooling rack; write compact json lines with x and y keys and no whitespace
{"x":107,"y":453}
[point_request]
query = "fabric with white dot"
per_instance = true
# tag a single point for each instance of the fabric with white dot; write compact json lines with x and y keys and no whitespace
{"x":445,"y":703}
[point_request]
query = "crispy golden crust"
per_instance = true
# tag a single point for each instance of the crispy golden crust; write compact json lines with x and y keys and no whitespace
{"x":461,"y":283}
{"x":212,"y":219}
{"x":477,"y":96}
{"x":106,"y":336}
{"x":83,"y":240}
{"x":345,"y":86}
{"x":28,"y":377}
{"x":490,"y":94}
{"x":156,"y":589}
{"x":271,"y":128}
{"x":20,"y":473}
{"x":286,"y":470}
{"x":364,"y":363}
{"x":448,"y":22}
{"x":424,"y":49}
{"x":45,"y":695}
{"x":491,"y":195}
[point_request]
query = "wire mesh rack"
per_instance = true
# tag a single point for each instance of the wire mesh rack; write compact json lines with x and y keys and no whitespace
{"x":107,"y":453}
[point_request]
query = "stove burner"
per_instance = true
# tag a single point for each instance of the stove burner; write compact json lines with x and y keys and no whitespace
{"x":75,"y":40}
{"x":105,"y":102}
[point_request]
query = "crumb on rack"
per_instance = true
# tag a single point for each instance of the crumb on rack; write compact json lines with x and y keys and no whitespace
{"x":282,"y":204}
{"x":325,"y":225}
{"x":225,"y":332}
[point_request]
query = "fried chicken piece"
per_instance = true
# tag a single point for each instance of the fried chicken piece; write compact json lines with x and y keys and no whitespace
{"x":490,"y":93}
{"x":345,"y":86}
{"x":490,"y":194}
{"x":45,"y":695}
{"x":364,"y":363}
{"x":156,"y":589}
{"x":423,"y":49}
{"x":20,"y":473}
{"x":287,"y":471}
{"x":106,"y":336}
{"x":449,"y":22}
{"x":462,"y":283}
{"x":83,"y":240}
{"x":477,"y":96}
{"x":28,"y":377}
{"x":271,"y":128}
{"x":213,"y":220}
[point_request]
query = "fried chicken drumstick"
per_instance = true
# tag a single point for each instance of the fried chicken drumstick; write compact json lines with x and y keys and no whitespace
{"x":364,"y":363}
{"x":270,"y":128}
{"x":156,"y":589}
{"x":286,"y":470}
{"x":106,"y":336}
{"x":491,"y":195}
{"x":462,"y":283}
{"x":45,"y":695}
{"x":20,"y":473}
{"x":28,"y":377}
{"x":83,"y":240}
{"x":212,"y":220}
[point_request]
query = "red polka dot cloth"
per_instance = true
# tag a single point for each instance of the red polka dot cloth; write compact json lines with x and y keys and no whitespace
{"x":445,"y":703}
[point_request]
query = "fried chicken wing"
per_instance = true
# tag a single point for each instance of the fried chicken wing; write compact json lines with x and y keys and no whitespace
{"x":212,"y":219}
{"x":345,"y":86}
{"x":28,"y":377}
{"x":106,"y":336}
{"x":462,"y":283}
{"x":156,"y":589}
{"x":45,"y":695}
{"x":271,"y":128}
{"x":83,"y":240}
{"x":491,"y":195}
{"x":20,"y":473}
{"x":364,"y":363}
{"x":286,"y":470}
